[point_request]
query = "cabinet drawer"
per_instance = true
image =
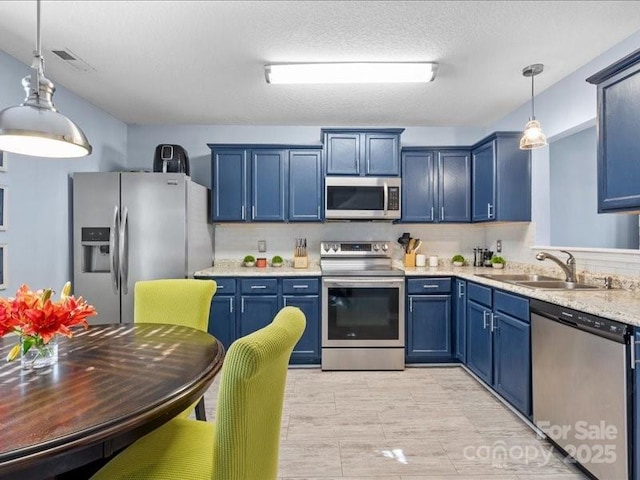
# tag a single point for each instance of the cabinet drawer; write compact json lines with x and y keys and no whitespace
{"x":259,"y":286}
{"x":510,"y":304}
{"x":479,"y":294}
{"x":428,"y":285}
{"x":225,"y":286}
{"x":302,"y":286}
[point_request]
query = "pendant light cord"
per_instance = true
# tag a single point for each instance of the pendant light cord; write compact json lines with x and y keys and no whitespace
{"x":533,"y":114}
{"x":37,"y":65}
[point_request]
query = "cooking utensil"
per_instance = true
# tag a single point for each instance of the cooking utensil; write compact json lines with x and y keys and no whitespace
{"x":412,"y":242}
{"x":417,"y":245}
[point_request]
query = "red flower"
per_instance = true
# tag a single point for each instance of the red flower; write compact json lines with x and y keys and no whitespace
{"x":35,"y":314}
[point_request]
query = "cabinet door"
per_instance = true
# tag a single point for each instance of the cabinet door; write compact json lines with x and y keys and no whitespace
{"x":222,"y":319}
{"x":382,"y":154}
{"x":479,"y":347}
{"x":256,"y":311}
{"x":418,"y":195}
{"x":618,"y":142}
{"x":636,"y":403}
{"x":428,"y":328}
{"x":454,"y":186}
{"x":229,"y":182}
{"x":461,"y":320}
{"x":343,"y":153}
{"x":483,"y":180}
{"x":512,"y":361}
{"x":267,"y":185}
{"x":305,"y":186}
{"x":307,"y":350}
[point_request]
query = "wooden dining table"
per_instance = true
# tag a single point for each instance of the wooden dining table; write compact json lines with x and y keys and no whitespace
{"x":111,"y":385}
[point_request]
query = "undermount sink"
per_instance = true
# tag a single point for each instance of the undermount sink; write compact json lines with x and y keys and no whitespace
{"x":516,"y":277}
{"x":539,"y":282}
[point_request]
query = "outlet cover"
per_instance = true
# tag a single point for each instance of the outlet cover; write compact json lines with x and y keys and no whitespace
{"x":499,"y":246}
{"x":262,"y":246}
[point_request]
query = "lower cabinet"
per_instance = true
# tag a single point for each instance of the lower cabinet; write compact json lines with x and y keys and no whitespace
{"x":460,"y":320}
{"x":428,"y":320}
{"x":243,"y":305}
{"x":499,"y":343}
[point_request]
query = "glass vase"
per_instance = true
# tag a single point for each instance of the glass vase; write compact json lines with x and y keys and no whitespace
{"x":39,"y":355}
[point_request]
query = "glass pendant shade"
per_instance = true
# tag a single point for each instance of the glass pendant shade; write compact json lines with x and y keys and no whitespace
{"x":35,"y":127}
{"x":532,"y":137}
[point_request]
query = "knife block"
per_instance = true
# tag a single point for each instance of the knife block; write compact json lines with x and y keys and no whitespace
{"x":301,"y":262}
{"x":410,"y":259}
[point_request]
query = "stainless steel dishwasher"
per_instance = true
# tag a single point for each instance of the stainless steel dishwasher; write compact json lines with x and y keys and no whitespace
{"x":581,"y":386}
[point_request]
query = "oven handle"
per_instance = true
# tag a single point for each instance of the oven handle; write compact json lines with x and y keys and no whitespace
{"x":386,"y":197}
{"x":359,"y":282}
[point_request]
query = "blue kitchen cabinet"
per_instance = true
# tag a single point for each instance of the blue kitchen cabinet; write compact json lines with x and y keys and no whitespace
{"x":479,"y":344}
{"x":428,"y":320}
{"x":460,"y":320}
{"x":436,"y":185}
{"x":305,"y":186}
{"x":267,"y":185}
{"x":499,"y":343}
{"x":258,"y":303}
{"x":307,"y":350}
{"x":618,"y":140}
{"x":454,"y":186}
{"x":500,"y":179}
{"x":222,"y":312}
{"x":362,"y":152}
{"x":418,"y":186}
{"x":229,"y":184}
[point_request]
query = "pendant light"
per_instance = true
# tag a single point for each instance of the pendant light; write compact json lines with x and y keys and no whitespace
{"x":532,"y":137}
{"x":35,"y":127}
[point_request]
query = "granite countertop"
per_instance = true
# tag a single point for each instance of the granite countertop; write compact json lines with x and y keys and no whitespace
{"x":615,"y":304}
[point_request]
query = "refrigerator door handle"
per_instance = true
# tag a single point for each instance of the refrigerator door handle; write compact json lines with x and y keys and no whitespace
{"x":113,"y":252}
{"x":124,"y":252}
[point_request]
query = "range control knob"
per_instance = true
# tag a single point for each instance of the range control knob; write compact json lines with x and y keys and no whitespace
{"x":325,"y":247}
{"x":376,"y":247}
{"x":385,"y":247}
{"x":336,"y":247}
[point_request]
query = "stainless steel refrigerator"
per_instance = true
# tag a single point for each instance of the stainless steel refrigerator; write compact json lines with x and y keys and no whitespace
{"x":135,"y":226}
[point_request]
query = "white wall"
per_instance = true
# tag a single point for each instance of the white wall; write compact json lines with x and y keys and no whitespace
{"x":38,"y":231}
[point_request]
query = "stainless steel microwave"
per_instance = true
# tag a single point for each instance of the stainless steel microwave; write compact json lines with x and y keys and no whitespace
{"x":362,"y":198}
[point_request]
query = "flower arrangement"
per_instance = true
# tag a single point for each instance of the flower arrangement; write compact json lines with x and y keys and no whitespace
{"x":37,"y":319}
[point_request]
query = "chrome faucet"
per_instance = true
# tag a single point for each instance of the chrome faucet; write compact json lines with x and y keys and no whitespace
{"x":569,"y":268}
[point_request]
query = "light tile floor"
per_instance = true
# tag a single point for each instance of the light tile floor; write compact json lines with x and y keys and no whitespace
{"x":419,"y":424}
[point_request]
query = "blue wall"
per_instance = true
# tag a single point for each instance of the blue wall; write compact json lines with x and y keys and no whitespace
{"x":38,"y":212}
{"x":573,"y":184}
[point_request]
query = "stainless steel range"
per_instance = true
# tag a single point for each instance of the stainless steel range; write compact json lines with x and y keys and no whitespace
{"x":362,"y":307}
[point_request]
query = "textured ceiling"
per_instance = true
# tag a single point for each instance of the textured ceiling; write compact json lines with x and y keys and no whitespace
{"x":184,"y":62}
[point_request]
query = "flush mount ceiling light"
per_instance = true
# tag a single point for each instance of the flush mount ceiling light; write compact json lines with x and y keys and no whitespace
{"x":35,"y":127}
{"x":363,"y":72}
{"x":532,"y":137}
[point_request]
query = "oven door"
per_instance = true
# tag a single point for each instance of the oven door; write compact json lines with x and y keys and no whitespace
{"x":363,"y":312}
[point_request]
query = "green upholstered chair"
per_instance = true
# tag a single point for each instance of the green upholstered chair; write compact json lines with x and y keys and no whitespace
{"x":176,"y":301}
{"x":243,"y":443}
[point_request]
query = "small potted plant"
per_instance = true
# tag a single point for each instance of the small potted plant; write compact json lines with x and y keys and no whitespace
{"x":277,"y":261}
{"x":497,"y":262}
{"x":249,"y":261}
{"x":457,"y":260}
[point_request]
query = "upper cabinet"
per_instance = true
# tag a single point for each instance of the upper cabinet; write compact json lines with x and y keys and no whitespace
{"x":618,"y":139}
{"x":501,"y":179}
{"x":436,"y":185}
{"x":265,"y":183}
{"x":362,"y":152}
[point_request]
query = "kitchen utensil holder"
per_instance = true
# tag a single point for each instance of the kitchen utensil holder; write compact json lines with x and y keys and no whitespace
{"x":410,"y":259}
{"x":301,"y":262}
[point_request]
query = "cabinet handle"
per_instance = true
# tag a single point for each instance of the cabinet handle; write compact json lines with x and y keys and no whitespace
{"x":284,"y":301}
{"x":429,"y":286}
{"x":242,"y":212}
{"x":411,"y":304}
{"x":460,"y":290}
{"x":441,"y":213}
{"x":230,"y":304}
{"x":633,"y":354}
{"x":489,"y":210}
{"x":301,"y":286}
{"x":484,"y":320}
{"x":258,"y":287}
{"x":432,"y":213}
{"x":253,"y":212}
{"x":492,"y":322}
{"x":318,"y":211}
{"x":219,"y":287}
{"x":242,"y":305}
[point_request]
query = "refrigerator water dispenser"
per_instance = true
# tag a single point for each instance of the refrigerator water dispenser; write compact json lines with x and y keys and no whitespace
{"x":95,"y":249}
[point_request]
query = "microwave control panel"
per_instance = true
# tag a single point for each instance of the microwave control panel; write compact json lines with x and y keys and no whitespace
{"x":394,"y":199}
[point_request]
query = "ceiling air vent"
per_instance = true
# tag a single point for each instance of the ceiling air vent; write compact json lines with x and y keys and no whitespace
{"x":72,"y":59}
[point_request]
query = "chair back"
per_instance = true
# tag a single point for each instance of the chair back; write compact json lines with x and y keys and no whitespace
{"x":250,"y":398}
{"x":180,"y":301}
